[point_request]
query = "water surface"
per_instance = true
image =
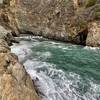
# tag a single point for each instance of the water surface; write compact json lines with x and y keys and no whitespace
{"x":61,"y":71}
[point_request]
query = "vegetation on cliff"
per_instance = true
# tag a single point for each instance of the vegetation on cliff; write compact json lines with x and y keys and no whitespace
{"x":91,"y":3}
{"x":97,"y":15}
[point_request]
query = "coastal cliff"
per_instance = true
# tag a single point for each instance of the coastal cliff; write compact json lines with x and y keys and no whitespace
{"x":73,"y":21}
{"x":15,"y":83}
{"x":64,"y":20}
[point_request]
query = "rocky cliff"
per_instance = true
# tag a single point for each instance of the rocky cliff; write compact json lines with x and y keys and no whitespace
{"x":15,"y":83}
{"x":75,"y":21}
{"x":66,"y":20}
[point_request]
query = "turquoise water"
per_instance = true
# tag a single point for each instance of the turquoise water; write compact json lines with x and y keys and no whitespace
{"x":61,"y":71}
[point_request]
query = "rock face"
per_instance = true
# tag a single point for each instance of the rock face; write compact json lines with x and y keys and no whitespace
{"x":65,"y":20}
{"x":76,"y":21}
{"x":93,"y":38}
{"x":6,"y":35}
{"x":15,"y":83}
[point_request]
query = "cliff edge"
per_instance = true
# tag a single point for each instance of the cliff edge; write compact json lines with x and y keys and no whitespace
{"x":15,"y":83}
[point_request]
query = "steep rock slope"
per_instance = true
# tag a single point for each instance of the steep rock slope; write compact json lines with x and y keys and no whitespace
{"x":65,"y":20}
{"x":15,"y":83}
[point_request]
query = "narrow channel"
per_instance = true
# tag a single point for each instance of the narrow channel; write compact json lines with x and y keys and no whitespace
{"x":61,"y":71}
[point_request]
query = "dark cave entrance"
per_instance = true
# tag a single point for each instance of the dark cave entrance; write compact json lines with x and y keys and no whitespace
{"x":83,"y":36}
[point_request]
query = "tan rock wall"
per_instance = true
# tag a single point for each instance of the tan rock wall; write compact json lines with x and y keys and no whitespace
{"x":15,"y":83}
{"x":94,"y":34}
{"x":56,"y":19}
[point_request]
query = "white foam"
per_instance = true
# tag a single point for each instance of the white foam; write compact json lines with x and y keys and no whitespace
{"x":22,"y":50}
{"x":52,"y":89}
{"x":44,"y":55}
{"x":53,"y":83}
{"x":91,"y":48}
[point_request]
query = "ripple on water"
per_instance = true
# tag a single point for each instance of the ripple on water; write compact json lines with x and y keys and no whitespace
{"x":53,"y":82}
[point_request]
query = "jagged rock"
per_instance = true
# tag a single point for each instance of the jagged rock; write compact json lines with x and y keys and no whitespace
{"x":4,"y":48}
{"x":6,"y":35}
{"x":15,"y":83}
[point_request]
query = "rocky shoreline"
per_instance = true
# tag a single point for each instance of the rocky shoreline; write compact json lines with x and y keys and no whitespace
{"x":15,"y":83}
{"x":74,"y":21}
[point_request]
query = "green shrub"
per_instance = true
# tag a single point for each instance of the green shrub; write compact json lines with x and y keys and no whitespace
{"x":97,"y":15}
{"x":91,"y":3}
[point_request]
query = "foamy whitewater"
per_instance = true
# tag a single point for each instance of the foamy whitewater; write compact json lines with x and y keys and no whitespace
{"x":60,"y":71}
